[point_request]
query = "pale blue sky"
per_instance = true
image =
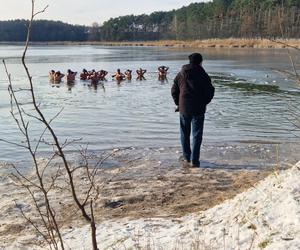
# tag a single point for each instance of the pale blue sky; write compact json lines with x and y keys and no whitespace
{"x":86,"y":11}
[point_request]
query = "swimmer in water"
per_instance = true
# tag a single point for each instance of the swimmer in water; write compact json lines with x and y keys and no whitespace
{"x":140,"y":74}
{"x":119,"y":76}
{"x":70,"y":76}
{"x":58,"y":76}
{"x":51,"y":75}
{"x":102,"y":73}
{"x":128,"y":74}
{"x":84,"y":75}
{"x":162,"y":73}
{"x":94,"y":77}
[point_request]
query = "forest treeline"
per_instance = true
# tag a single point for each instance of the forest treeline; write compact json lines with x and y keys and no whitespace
{"x":204,"y":20}
{"x":216,"y":19}
{"x":42,"y":30}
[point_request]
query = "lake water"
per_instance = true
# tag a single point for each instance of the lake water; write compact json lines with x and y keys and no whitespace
{"x":251,"y":104}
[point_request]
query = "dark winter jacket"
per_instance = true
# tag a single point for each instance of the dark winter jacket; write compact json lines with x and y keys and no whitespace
{"x":192,"y":90}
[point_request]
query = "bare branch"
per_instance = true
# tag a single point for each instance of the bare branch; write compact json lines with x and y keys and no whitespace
{"x":93,"y":226}
{"x":285,"y":73}
{"x":41,"y":11}
{"x":36,"y":227}
{"x":42,"y":216}
{"x":19,"y":114}
{"x":31,"y":116}
{"x":285,"y":44}
{"x":13,"y":143}
{"x":47,"y":165}
{"x":24,"y":178}
{"x":53,"y":181}
{"x":69,"y":142}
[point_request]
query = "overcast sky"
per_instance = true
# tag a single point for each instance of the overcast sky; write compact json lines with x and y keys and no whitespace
{"x":86,"y":11}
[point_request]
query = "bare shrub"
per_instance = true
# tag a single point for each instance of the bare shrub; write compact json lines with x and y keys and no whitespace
{"x":46,"y":180}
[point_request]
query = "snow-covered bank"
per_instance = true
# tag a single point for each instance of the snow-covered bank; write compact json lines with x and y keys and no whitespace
{"x":265,"y":216}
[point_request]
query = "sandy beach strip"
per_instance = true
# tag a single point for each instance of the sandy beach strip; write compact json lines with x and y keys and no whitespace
{"x":201,"y":43}
{"x":149,"y":201}
{"x":215,"y":43}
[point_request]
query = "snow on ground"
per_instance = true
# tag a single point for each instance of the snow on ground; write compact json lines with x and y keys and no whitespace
{"x":266,"y":216}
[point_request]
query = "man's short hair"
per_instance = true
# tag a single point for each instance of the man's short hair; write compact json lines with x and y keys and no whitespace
{"x":195,"y":58}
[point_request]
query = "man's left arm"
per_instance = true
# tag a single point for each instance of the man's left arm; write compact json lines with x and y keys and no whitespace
{"x":176,"y":90}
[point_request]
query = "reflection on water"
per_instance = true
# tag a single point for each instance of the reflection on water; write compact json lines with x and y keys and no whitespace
{"x":251,"y":101}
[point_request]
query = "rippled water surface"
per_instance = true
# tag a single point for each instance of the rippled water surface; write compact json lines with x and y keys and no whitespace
{"x":251,"y":103}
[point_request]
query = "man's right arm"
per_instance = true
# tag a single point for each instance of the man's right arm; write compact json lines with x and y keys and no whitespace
{"x":210,"y":90}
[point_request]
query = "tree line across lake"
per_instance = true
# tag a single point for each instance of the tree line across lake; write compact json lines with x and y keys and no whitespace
{"x":216,"y":19}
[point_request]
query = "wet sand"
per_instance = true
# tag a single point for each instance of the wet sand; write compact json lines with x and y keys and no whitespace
{"x":153,"y":183}
{"x":170,"y":192}
{"x":146,"y":183}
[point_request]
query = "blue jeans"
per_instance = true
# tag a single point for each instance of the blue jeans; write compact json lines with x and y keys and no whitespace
{"x":196,"y":122}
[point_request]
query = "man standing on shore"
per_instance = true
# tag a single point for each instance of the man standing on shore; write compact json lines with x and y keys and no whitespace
{"x":192,"y":91}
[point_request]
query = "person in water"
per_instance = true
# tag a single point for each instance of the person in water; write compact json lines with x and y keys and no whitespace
{"x":119,"y":76}
{"x":84,"y":75}
{"x":102,"y":74}
{"x":140,"y":74}
{"x":51,"y":75}
{"x":162,"y":72}
{"x":58,"y":76}
{"x":192,"y":91}
{"x":94,"y":77}
{"x":91,"y":73}
{"x":128,"y":74}
{"x":71,"y":76}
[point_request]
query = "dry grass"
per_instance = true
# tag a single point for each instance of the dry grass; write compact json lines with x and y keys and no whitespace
{"x":208,"y":43}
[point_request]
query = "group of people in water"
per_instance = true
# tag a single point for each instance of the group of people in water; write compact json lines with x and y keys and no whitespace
{"x":57,"y":76}
{"x":96,"y":76}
